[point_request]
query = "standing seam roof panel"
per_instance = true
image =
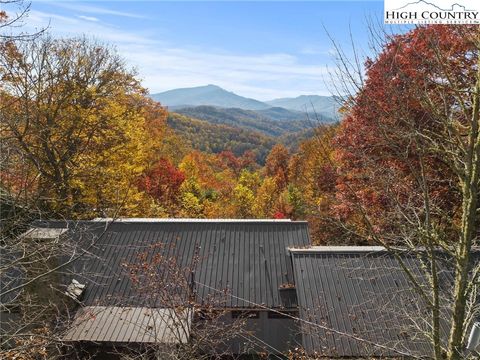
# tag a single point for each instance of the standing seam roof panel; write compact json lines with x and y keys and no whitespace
{"x":250,"y":258}
{"x":370,"y":297}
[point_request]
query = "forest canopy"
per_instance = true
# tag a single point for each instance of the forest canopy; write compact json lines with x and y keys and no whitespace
{"x":81,"y":139}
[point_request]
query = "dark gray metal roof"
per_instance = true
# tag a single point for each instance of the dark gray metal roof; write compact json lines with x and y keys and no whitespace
{"x":130,"y":324}
{"x":11,"y":277}
{"x":249,"y":259}
{"x":361,"y":303}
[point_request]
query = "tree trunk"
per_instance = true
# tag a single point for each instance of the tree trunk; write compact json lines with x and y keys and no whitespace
{"x":470,"y":190}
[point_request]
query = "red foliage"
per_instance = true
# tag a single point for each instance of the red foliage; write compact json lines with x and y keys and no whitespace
{"x":248,"y":160}
{"x":378,"y":158}
{"x":276,"y":165}
{"x":229,"y":160}
{"x":162,"y":181}
{"x":279,"y":215}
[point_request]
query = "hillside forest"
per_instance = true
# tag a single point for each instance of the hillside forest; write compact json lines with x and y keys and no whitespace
{"x":81,"y":138}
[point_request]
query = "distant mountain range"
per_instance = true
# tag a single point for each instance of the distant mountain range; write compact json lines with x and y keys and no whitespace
{"x":215,"y":138}
{"x":207,"y":95}
{"x":211,"y":119}
{"x":285,"y":109}
{"x":327,"y":105}
{"x":220,"y":133}
{"x":260,"y":121}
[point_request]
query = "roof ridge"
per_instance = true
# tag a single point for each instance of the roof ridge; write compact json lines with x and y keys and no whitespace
{"x":167,"y":220}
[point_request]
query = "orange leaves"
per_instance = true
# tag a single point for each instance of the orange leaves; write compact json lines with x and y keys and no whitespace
{"x":84,"y":136}
{"x":276,"y":165}
{"x":388,"y":145}
{"x":162,"y":181}
{"x":3,"y":16}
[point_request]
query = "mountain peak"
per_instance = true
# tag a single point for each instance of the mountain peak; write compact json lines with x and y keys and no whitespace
{"x":209,"y":94}
{"x":213,"y":86}
{"x":214,"y":95}
{"x":196,"y":88}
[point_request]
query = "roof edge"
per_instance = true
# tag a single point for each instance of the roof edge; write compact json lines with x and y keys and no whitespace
{"x":355,"y":249}
{"x":174,"y":220}
{"x":336,"y":249}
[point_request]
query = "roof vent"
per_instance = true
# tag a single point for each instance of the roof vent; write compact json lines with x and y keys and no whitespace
{"x":39,"y":233}
{"x":75,"y":289}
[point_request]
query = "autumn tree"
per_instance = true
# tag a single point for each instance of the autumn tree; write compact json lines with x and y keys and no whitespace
{"x":269,"y":194}
{"x":237,"y":163}
{"x":13,"y":14}
{"x":276,"y":165}
{"x":409,"y":164}
{"x":312,"y":185}
{"x":27,"y":306}
{"x":243,"y":199}
{"x":218,"y":185}
{"x":162,"y":182}
{"x":266,"y":199}
{"x":76,"y":134}
{"x":75,"y":114}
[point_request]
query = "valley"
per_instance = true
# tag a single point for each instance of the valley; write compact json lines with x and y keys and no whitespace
{"x":212,"y":119}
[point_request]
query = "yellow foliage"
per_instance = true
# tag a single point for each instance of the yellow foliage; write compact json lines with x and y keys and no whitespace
{"x":106,"y":176}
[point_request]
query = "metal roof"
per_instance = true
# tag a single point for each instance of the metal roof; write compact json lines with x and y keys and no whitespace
{"x":336,"y":249}
{"x":361,"y":303}
{"x":11,"y":277}
{"x":130,"y":324}
{"x":249,"y":260}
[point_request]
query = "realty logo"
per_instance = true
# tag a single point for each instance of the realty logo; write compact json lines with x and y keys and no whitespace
{"x":432,"y":12}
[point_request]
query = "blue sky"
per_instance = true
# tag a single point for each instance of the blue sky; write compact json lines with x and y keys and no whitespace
{"x":258,"y":49}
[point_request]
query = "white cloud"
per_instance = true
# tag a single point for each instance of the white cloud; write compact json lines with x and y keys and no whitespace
{"x":163,"y":66}
{"x":88,"y":18}
{"x":263,"y":77}
{"x":74,"y":26}
{"x":313,"y":50}
{"x":91,"y":9}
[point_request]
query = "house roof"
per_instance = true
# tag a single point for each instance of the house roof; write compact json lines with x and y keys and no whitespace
{"x":130,"y":324}
{"x":352,"y":301}
{"x":358,"y":302}
{"x":11,"y":276}
{"x":248,"y":259}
